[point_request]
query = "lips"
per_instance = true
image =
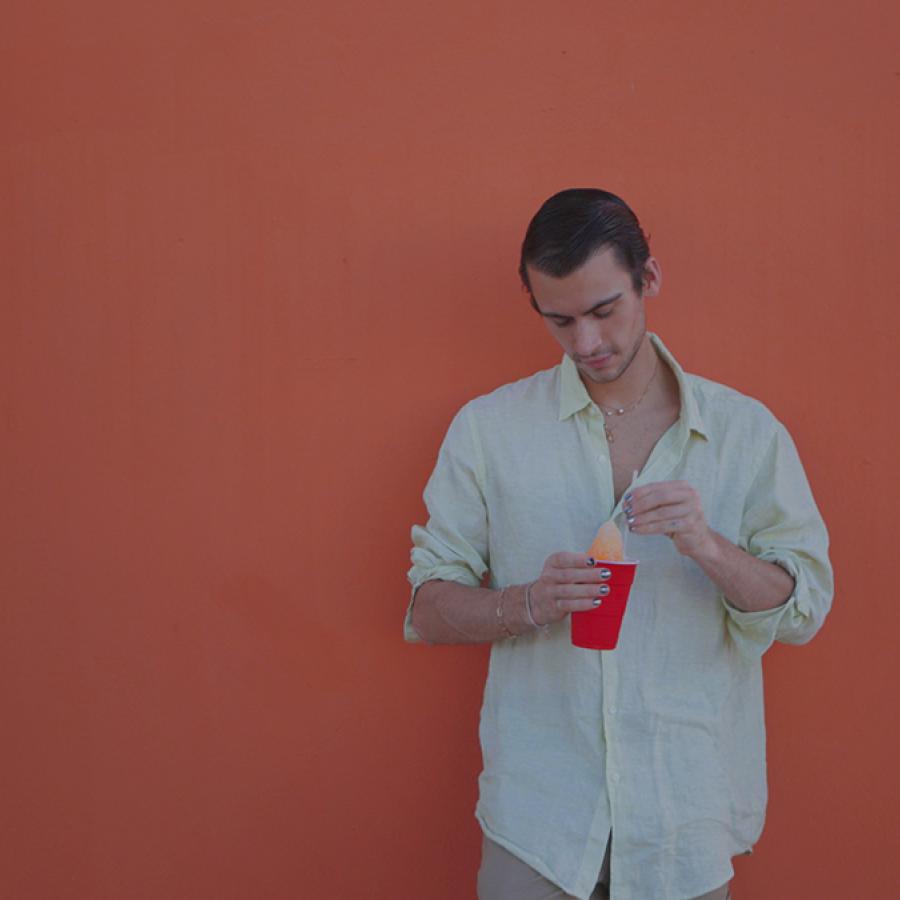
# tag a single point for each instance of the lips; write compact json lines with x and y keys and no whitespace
{"x":598,"y":362}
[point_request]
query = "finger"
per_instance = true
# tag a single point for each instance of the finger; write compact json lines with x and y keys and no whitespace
{"x":558,"y":601}
{"x":563,"y":560}
{"x":658,"y":493}
{"x":581,"y":605}
{"x":668,"y":527}
{"x":565,"y":592}
{"x":594,"y":575}
{"x":663,"y":514}
{"x":576,"y":598}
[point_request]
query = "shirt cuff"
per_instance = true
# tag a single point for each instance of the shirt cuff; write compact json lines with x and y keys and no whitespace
{"x":410,"y":635}
{"x":754,"y":632}
{"x":458,"y":574}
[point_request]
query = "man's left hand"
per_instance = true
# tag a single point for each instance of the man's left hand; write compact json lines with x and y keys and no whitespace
{"x":673,"y":509}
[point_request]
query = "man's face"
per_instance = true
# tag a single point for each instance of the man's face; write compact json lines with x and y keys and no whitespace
{"x":595,"y":313}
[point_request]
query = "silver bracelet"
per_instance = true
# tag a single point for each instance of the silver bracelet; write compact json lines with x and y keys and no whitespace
{"x":544,"y":629}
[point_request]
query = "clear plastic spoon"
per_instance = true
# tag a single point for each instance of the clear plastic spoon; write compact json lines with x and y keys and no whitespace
{"x":634,"y":476}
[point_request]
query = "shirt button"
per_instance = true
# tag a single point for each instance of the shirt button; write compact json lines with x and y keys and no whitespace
{"x":614,"y":777}
{"x":612,"y":710}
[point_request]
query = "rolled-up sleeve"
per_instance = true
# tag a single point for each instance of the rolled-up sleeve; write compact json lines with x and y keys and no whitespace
{"x":453,"y":545}
{"x":782,"y":525}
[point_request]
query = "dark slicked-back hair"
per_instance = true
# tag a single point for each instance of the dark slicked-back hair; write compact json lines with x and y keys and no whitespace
{"x":575,"y":224}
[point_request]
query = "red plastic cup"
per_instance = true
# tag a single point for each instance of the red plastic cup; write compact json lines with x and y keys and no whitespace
{"x":598,"y":629}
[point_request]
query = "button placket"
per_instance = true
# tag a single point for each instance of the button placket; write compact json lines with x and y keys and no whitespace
{"x":610,"y":689}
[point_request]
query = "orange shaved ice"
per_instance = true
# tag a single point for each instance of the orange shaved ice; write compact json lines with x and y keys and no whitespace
{"x":608,"y":543}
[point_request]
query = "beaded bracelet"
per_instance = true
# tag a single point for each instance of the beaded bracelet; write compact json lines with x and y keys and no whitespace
{"x":543,"y":629}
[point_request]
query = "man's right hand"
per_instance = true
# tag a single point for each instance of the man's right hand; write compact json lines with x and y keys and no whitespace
{"x":568,"y":583}
{"x":448,"y":613}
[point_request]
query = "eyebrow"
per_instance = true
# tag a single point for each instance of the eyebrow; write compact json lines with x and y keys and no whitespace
{"x":587,"y":312}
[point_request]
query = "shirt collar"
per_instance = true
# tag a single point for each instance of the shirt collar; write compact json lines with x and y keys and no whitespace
{"x":573,"y":395}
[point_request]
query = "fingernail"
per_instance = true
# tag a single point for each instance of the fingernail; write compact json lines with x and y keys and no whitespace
{"x":597,"y":601}
{"x":628,"y":497}
{"x":591,"y":561}
{"x":630,"y":520}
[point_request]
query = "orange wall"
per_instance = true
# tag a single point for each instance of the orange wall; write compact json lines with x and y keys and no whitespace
{"x":255,"y":255}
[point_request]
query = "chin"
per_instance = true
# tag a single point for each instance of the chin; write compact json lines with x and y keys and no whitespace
{"x":600,"y":377}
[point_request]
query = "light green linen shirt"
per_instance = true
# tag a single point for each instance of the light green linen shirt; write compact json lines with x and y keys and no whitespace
{"x":661,"y":740}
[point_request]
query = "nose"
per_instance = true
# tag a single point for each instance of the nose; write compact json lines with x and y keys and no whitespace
{"x":587,"y":338}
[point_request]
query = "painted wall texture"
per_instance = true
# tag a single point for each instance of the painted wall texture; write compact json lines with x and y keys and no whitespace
{"x":254,"y":257}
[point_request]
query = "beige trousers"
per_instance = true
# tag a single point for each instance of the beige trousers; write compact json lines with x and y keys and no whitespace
{"x":503,"y":876}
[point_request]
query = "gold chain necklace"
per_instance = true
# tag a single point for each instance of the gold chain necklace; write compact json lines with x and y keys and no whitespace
{"x":621,"y":410}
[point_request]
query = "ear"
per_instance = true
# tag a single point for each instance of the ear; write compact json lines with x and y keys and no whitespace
{"x":652,"y":277}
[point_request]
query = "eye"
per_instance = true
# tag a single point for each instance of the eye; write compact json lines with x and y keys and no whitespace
{"x":604,"y":313}
{"x":561,"y":323}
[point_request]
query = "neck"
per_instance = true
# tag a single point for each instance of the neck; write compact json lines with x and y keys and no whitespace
{"x":630,"y":384}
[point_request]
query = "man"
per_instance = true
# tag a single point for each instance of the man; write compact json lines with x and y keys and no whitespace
{"x":636,"y":773}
